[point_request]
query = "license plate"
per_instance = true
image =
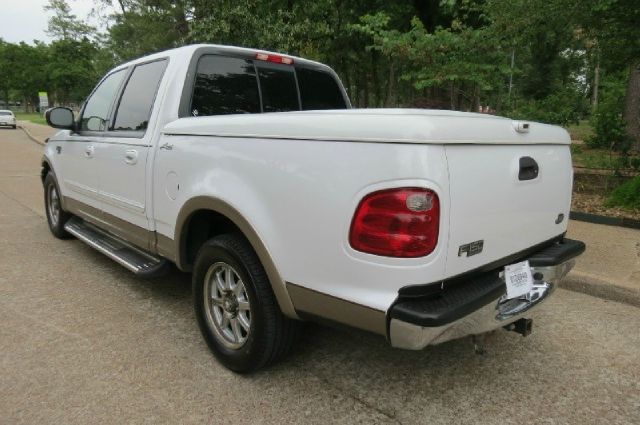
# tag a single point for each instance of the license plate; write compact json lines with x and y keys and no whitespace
{"x":518,"y":278}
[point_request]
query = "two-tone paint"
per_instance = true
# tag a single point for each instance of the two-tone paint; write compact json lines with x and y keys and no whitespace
{"x":292,"y":181}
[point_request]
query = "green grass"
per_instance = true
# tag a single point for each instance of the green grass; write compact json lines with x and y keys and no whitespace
{"x":34,"y":118}
{"x":626,"y":195}
{"x":593,"y":158}
{"x":580,"y":131}
{"x":584,"y":156}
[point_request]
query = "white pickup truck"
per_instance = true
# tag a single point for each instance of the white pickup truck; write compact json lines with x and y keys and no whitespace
{"x":250,"y":170}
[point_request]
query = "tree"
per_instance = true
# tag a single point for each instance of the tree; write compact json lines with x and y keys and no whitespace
{"x":22,"y":71}
{"x":64,"y":25}
{"x":71,"y":69}
{"x":5,"y":71}
{"x":527,"y":58}
{"x":616,"y":25}
{"x":146,"y":26}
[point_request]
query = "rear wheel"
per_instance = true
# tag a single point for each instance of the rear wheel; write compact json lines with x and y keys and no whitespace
{"x":56,"y":216}
{"x":235,"y":306}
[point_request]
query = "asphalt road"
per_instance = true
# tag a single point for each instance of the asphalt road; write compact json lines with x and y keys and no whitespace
{"x":84,"y":341}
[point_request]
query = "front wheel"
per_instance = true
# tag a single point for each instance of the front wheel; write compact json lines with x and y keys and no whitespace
{"x":236,"y":309}
{"x":56,"y":216}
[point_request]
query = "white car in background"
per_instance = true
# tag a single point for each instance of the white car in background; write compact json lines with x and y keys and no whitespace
{"x":7,"y":118}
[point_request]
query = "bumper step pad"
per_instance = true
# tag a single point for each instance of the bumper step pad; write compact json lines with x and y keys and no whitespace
{"x":451,"y":303}
{"x":460,"y":297}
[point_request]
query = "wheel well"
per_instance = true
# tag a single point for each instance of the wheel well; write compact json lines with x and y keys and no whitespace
{"x":201,"y":226}
{"x":44,"y":171}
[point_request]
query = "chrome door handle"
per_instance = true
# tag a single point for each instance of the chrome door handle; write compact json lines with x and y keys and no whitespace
{"x":131,"y":156}
{"x":88,"y":151}
{"x":167,"y":146}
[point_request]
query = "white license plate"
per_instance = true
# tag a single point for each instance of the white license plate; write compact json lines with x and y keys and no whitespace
{"x":518,"y":278}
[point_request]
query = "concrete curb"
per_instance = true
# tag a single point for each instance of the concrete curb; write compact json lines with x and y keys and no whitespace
{"x":585,"y":283}
{"x":602,"y":219}
{"x":30,"y":136}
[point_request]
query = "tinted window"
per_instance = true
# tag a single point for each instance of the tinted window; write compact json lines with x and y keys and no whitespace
{"x":278,"y":86}
{"x":319,"y":90}
{"x":94,"y":116}
{"x":224,"y":86}
{"x":138,"y":96}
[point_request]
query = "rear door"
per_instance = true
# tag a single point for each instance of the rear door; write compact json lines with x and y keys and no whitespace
{"x":505,"y":198}
{"x":124,"y":155}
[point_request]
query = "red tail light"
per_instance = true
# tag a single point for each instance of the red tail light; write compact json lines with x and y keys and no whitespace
{"x":400,"y":222}
{"x":274,"y":58}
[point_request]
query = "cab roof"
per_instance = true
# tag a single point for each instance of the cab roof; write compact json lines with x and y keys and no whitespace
{"x":184,"y":53}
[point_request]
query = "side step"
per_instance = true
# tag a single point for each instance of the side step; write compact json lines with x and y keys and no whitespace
{"x":136,"y":260}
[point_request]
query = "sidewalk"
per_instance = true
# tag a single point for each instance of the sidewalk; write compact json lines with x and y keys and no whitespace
{"x":610,"y":267}
{"x":37,"y":132}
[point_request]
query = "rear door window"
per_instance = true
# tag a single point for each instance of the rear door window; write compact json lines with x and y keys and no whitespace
{"x":225,"y":85}
{"x":278,"y":87}
{"x":138,"y":96}
{"x":319,"y":90}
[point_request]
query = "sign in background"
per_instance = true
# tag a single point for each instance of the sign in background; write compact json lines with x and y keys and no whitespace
{"x":44,"y":100}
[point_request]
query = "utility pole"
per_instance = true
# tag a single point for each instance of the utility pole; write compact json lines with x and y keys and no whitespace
{"x":596,"y":84}
{"x":513,"y":58}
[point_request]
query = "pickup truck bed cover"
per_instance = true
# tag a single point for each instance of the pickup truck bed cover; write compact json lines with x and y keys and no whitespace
{"x":374,"y":125}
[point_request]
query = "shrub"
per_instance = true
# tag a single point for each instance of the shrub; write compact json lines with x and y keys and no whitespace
{"x":563,"y":108}
{"x":607,"y":122}
{"x":627,"y":195}
{"x":576,"y":149}
{"x":609,"y":129}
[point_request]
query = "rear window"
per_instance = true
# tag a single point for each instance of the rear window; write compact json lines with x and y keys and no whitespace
{"x":225,"y":85}
{"x":4,"y":113}
{"x":278,"y":85}
{"x":229,"y":85}
{"x":319,"y":90}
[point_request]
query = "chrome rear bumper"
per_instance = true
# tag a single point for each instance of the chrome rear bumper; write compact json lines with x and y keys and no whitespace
{"x":495,"y":314}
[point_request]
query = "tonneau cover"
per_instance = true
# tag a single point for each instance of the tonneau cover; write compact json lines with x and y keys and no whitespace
{"x":374,"y":125}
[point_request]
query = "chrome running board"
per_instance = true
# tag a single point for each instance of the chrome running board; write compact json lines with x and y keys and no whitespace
{"x":140,"y":262}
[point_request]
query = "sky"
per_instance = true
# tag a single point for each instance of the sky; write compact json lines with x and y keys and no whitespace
{"x":26,"y":20}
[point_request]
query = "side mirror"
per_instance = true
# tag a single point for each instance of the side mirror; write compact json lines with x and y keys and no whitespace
{"x":60,"y":118}
{"x":94,"y":124}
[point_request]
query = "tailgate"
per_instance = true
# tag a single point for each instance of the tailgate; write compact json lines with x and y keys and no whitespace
{"x":497,"y":197}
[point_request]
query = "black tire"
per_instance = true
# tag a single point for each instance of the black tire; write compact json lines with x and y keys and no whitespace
{"x":271,"y":334}
{"x":14,"y":127}
{"x":56,"y":226}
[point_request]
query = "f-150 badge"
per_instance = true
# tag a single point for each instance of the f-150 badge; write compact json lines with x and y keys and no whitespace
{"x":470,"y":249}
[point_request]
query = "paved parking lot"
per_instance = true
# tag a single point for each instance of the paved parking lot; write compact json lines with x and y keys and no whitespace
{"x":84,"y":341}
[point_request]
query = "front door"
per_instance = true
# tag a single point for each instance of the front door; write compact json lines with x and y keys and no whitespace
{"x":79,"y":153}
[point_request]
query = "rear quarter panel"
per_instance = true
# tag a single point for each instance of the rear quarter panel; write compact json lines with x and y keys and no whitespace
{"x":300,"y":197}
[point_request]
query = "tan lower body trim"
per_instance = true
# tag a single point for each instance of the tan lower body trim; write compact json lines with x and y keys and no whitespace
{"x":315,"y":303}
{"x":166,"y":247}
{"x":204,"y":203}
{"x":142,"y":238}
